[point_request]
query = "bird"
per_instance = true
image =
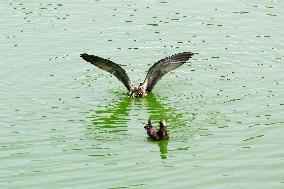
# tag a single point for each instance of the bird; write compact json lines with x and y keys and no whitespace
{"x":154,"y":74}
{"x":157,"y":134}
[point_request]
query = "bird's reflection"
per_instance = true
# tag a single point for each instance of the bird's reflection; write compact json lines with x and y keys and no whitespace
{"x":115,"y":117}
{"x":163,"y":144}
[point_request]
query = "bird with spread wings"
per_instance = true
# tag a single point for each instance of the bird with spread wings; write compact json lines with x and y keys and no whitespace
{"x":155,"y":73}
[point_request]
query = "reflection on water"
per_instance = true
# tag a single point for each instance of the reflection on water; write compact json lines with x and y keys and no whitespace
{"x":160,"y":110}
{"x":114,"y":117}
{"x":163,"y":144}
{"x":110,"y":122}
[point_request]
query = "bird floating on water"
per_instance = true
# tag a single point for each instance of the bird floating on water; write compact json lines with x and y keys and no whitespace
{"x":155,"y":73}
{"x":157,"y":134}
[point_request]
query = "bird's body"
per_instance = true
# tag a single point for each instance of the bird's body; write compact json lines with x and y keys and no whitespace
{"x":155,"y":73}
{"x":157,"y":134}
{"x":138,"y":90}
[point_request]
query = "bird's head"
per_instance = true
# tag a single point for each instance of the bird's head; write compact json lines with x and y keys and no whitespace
{"x":148,"y":126}
{"x":163,"y":124}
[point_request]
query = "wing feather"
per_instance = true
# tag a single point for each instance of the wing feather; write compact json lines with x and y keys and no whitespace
{"x":162,"y":67}
{"x":110,"y":67}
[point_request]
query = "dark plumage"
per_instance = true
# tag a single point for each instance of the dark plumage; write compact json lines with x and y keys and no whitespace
{"x":157,"y":134}
{"x":155,"y":73}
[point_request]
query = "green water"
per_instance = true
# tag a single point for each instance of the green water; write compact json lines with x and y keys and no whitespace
{"x":66,"y":124}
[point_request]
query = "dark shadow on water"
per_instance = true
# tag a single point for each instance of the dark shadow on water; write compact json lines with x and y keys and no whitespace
{"x":110,"y":123}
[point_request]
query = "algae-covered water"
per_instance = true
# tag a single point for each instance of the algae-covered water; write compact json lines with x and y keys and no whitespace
{"x":67,"y":124}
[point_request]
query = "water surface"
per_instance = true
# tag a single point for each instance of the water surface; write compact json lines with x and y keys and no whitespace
{"x":67,"y":124}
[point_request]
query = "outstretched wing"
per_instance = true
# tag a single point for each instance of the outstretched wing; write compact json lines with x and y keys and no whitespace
{"x":159,"y":69}
{"x":110,"y":67}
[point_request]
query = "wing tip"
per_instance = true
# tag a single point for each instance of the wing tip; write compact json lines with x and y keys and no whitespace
{"x":188,"y":54}
{"x":84,"y":55}
{"x":88,"y":57}
{"x":183,"y":57}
